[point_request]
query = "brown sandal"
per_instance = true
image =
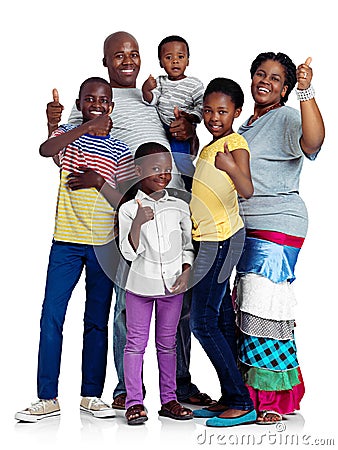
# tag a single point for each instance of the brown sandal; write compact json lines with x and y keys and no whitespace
{"x":174,"y":410}
{"x":268,"y":417}
{"x":133,"y":415}
{"x":119,"y":402}
{"x":200,"y":399}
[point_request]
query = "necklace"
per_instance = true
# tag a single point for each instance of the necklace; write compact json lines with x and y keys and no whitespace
{"x":270,"y":108}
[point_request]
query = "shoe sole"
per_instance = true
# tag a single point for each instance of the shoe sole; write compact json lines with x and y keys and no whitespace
{"x":248,"y":418}
{"x":220,"y":425}
{"x":259,"y":422}
{"x":138,"y":420}
{"x":170,"y":415}
{"x":120,"y":408}
{"x":32,"y":418}
{"x":98,"y":414}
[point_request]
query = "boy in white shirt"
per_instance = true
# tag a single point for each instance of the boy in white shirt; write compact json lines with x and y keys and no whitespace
{"x":155,"y":235}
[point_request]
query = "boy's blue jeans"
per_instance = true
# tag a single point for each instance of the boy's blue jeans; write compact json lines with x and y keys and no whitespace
{"x":212,"y":315}
{"x":66,"y":263}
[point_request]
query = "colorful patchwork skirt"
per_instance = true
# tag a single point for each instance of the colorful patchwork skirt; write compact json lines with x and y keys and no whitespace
{"x":264,"y":302}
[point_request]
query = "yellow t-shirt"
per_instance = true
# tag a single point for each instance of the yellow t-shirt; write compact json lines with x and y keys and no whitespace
{"x":83,"y":216}
{"x":214,"y":203}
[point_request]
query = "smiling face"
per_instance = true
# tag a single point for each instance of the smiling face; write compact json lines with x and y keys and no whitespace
{"x":174,"y":59}
{"x":122,"y":59}
{"x":155,"y":172}
{"x":219,"y":112}
{"x":268,"y":83}
{"x":95,"y":100}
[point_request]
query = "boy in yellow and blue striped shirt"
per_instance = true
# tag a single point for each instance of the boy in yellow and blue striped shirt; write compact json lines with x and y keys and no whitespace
{"x":95,"y":169}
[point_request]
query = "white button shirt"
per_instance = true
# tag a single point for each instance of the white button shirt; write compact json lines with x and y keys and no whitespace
{"x":165,"y":244}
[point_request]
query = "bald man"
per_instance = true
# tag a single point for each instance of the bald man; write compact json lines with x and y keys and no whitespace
{"x":136,"y":123}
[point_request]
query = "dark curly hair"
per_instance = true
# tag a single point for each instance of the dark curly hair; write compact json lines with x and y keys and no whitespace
{"x":173,"y":38}
{"x":149,"y":148}
{"x":285,"y":61}
{"x":226,"y":87}
{"x":93,"y":80}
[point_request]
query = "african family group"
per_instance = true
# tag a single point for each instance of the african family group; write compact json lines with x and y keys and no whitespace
{"x":203,"y":237}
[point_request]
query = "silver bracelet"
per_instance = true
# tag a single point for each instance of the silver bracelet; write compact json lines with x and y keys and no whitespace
{"x":305,"y":94}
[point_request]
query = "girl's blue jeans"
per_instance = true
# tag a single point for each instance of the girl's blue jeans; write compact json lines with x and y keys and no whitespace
{"x":212,"y":317}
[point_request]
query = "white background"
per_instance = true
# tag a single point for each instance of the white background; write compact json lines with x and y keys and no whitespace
{"x":46,"y":45}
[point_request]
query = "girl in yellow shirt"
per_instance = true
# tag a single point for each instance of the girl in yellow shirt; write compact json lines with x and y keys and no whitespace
{"x":222,"y":172}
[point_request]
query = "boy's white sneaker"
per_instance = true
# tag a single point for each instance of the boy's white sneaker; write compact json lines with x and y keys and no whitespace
{"x":39,"y":410}
{"x":96,"y":407}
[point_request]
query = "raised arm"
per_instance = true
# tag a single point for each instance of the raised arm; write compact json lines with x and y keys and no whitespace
{"x":99,"y":126}
{"x":312,"y":122}
{"x":148,"y":86}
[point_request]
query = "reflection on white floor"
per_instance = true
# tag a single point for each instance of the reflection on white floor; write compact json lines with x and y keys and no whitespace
{"x":80,"y":430}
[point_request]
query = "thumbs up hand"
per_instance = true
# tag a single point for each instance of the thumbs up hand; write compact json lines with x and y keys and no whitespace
{"x":54,"y":109}
{"x":182,"y":127}
{"x":225,"y":161}
{"x":304,"y":74}
{"x":100,"y":126}
{"x":144,"y":213}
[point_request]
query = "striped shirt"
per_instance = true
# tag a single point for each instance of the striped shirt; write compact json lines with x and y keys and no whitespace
{"x":84,"y":216}
{"x":186,"y":94}
{"x":134,"y":123}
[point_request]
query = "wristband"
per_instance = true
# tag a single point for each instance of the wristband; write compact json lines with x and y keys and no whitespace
{"x":305,"y":94}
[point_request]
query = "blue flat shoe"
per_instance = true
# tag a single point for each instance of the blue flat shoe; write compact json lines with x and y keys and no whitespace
{"x":249,"y":417}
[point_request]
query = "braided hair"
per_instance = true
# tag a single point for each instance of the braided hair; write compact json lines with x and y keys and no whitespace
{"x":286,"y":62}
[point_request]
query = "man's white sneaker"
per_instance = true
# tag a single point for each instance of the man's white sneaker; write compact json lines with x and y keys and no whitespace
{"x":39,"y":410}
{"x":96,"y":407}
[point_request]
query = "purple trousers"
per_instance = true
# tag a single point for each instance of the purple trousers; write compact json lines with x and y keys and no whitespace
{"x":138,"y":317}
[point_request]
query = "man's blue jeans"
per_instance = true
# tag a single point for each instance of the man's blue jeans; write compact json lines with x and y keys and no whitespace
{"x":66,"y":263}
{"x":119,"y":338}
{"x":213,"y":319}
